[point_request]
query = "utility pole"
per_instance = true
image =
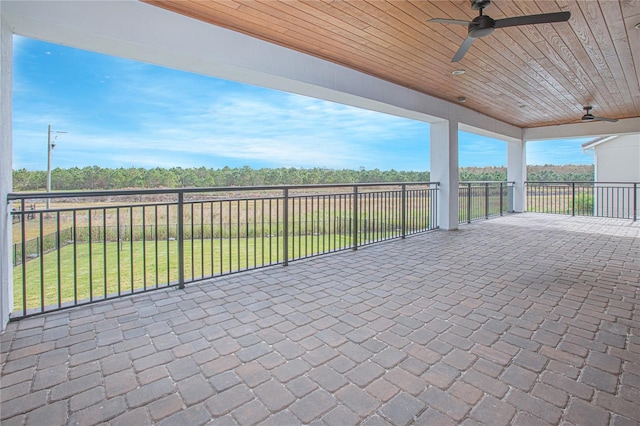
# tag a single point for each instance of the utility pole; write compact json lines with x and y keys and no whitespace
{"x":50,"y":145}
{"x":49,"y":165}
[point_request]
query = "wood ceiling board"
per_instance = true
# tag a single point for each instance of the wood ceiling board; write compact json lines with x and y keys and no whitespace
{"x":378,"y":69}
{"x":552,"y":68}
{"x":277,"y":11}
{"x":517,"y":59}
{"x":560,"y":58}
{"x":548,"y":85}
{"x":621,"y":50}
{"x":308,"y":39}
{"x":603,"y":38}
{"x":620,"y":17}
{"x":490,"y":74}
{"x":310,"y":44}
{"x":634,"y":46}
{"x":220,"y":14}
{"x":629,"y":8}
{"x":593,"y":39}
{"x":534,"y":89}
{"x":353,"y":49}
{"x":403,"y":51}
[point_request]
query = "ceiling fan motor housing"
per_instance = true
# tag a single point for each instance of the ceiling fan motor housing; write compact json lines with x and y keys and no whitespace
{"x":481,"y":26}
{"x":587,"y":113}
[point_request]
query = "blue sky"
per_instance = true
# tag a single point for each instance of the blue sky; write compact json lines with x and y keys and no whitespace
{"x":121,"y":113}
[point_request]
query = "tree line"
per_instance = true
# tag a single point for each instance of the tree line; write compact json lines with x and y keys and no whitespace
{"x":535,"y":173}
{"x":99,"y":178}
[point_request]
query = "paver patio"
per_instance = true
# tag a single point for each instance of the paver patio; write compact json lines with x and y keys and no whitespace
{"x":525,"y":319}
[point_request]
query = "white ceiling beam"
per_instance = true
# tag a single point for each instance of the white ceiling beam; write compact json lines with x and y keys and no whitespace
{"x":584,"y":130}
{"x":495,"y":134}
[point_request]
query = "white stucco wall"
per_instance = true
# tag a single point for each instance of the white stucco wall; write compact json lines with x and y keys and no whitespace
{"x":6,"y":269}
{"x":618,"y":159}
{"x":617,"y":167}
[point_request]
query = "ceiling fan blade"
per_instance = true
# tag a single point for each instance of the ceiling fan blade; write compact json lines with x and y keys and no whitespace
{"x":544,"y":18}
{"x":449,"y":21}
{"x":463,"y":49}
{"x":610,"y":120}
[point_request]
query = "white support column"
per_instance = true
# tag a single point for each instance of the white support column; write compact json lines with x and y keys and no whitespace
{"x":517,"y":172}
{"x":6,"y":268}
{"x":444,"y":169}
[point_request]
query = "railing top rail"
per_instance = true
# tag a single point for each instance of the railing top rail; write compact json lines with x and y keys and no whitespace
{"x":94,"y":208}
{"x":581,"y":182}
{"x":71,"y":194}
{"x":465,"y":182}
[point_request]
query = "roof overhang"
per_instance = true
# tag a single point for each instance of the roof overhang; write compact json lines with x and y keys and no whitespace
{"x":595,"y":142}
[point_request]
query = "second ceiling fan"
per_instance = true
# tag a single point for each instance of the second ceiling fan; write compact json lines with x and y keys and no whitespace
{"x":483,"y":25}
{"x":590,"y":117}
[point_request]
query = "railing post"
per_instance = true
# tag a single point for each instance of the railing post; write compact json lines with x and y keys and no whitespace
{"x":486,"y":200}
{"x":180,"y":238}
{"x":501,"y":202}
{"x":573,"y":198}
{"x":285,"y":247}
{"x":635,"y":201}
{"x":404,"y":211}
{"x":511,"y":196}
{"x":469,"y":202}
{"x":355,"y":217}
{"x":23,"y":237}
{"x":437,"y":199}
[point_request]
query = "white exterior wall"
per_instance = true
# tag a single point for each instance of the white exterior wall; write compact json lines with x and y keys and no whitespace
{"x":6,"y":268}
{"x":617,"y":161}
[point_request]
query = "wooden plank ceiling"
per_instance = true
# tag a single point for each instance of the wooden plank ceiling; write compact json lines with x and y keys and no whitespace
{"x":529,"y":76}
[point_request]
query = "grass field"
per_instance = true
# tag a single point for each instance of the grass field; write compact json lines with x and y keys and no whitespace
{"x":100,"y":269}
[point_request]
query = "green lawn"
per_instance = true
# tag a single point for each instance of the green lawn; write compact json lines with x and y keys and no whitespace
{"x":105,"y":268}
{"x":100,"y":269}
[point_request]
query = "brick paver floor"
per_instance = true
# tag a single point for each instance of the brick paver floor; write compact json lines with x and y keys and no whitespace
{"x":527,"y":319}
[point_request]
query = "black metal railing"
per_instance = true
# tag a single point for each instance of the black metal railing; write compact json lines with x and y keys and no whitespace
{"x":600,"y":199}
{"x":482,"y":200}
{"x":94,"y":246}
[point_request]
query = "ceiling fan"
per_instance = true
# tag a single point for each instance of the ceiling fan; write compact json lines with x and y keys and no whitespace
{"x":483,"y":25}
{"x":590,"y":117}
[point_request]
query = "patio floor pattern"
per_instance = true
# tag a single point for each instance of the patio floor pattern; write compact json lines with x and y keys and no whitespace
{"x":525,"y":319}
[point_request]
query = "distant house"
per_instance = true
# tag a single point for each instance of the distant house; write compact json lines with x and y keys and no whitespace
{"x":617,"y":169}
